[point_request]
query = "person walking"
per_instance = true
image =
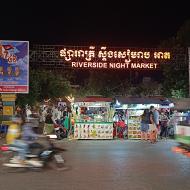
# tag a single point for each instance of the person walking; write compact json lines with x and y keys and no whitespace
{"x":49,"y":122}
{"x":152,"y":125}
{"x":164,"y":124}
{"x":156,"y":115}
{"x":144,"y":125}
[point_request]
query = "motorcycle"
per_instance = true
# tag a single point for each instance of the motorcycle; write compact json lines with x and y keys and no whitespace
{"x":49,"y":157}
{"x":60,"y":131}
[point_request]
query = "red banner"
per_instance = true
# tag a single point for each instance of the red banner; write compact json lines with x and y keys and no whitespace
{"x":14,"y":89}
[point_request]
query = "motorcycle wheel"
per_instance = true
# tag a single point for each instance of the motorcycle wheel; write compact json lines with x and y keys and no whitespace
{"x":6,"y":169}
{"x":6,"y":156}
{"x":55,"y":165}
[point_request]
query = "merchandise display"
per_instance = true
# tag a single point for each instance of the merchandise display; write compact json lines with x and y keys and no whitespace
{"x":134,"y":123}
{"x":131,"y":115}
{"x":93,"y":120}
{"x":130,"y":111}
{"x":93,"y":130}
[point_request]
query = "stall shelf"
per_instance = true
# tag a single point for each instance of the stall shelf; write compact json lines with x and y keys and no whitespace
{"x":133,"y":108}
{"x":93,"y":118}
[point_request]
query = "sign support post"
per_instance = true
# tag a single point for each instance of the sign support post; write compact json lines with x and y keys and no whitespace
{"x":189,"y":67}
{"x":8,"y":107}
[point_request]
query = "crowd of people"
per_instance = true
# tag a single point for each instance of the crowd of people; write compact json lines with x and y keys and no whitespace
{"x":54,"y":116}
{"x":55,"y":119}
{"x":49,"y":116}
{"x":23,"y":135}
{"x":155,"y":124}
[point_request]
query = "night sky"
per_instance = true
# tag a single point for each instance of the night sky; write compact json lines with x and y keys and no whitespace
{"x":93,"y":22}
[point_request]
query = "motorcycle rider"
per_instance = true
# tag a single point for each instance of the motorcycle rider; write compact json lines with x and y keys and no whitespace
{"x":13,"y":138}
{"x":25,"y":143}
{"x":30,"y":138}
{"x":14,"y":130}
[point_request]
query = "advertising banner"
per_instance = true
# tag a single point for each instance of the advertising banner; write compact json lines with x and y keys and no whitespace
{"x":14,"y":66}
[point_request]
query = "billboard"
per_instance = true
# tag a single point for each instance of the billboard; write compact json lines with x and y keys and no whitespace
{"x":14,"y":66}
{"x":114,"y":58}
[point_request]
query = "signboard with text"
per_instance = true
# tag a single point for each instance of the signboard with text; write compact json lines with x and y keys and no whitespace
{"x":114,"y":58}
{"x":14,"y":66}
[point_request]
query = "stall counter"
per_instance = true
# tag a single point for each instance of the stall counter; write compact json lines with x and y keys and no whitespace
{"x":182,"y":134}
{"x":93,"y":130}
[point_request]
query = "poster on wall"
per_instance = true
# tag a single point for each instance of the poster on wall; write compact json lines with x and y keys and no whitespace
{"x":14,"y":66}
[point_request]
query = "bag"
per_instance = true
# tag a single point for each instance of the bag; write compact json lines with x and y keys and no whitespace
{"x":152,"y":127}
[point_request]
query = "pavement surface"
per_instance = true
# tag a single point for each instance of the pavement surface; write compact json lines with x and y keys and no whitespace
{"x":109,"y":165}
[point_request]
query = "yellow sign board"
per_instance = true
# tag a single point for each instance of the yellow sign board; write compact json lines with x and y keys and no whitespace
{"x":8,"y":97}
{"x":8,"y":110}
{"x":7,"y":122}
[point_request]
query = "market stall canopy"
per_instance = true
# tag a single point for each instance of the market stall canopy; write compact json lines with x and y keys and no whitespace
{"x":93,"y":99}
{"x":144,"y":100}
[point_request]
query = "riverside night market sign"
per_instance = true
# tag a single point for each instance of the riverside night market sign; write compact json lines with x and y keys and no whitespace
{"x":114,"y":58}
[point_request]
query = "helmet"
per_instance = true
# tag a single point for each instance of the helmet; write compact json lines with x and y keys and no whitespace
{"x":29,"y":119}
{"x":33,"y":121}
{"x":16,"y":119}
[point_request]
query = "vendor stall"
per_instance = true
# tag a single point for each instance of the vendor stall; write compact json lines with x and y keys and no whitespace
{"x":182,"y":132}
{"x":93,"y":118}
{"x":130,"y":111}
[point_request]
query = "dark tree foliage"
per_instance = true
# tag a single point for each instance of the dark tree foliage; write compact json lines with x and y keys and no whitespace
{"x":175,"y":81}
{"x":43,"y":85}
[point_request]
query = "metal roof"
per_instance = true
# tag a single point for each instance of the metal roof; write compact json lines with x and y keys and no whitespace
{"x":144,"y":100}
{"x":93,"y":99}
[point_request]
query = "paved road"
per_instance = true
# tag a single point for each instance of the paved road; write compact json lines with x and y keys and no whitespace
{"x":102,"y":165}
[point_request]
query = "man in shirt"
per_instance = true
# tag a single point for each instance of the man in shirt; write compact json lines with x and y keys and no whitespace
{"x":154,"y":120}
